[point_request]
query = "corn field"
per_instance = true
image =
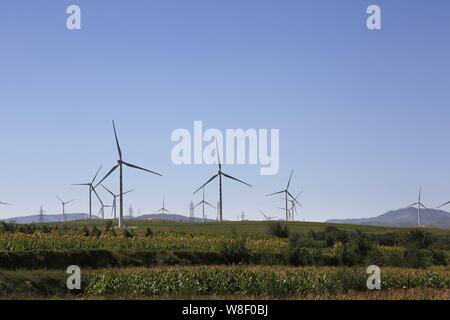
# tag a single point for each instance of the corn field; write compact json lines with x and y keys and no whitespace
{"x":272,"y":282}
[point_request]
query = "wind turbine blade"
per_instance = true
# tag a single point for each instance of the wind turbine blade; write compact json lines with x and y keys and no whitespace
{"x":5,"y":204}
{"x":98,"y":171}
{"x":60,"y":199}
{"x":98,"y":197}
{"x":109,"y":191}
{"x":107,"y":175}
{"x":300,"y":193}
{"x":422,"y":205}
{"x":443,"y":205}
{"x":209,"y":204}
{"x":206,"y":183}
{"x":198,"y":204}
{"x":81,"y":184}
{"x":218,"y":153}
{"x":263,"y":214}
{"x":293,"y":198}
{"x":289,"y":182}
{"x":129,"y":191}
{"x":139,"y":168}
{"x":415,"y":203}
{"x":274,"y":194}
{"x":233,"y":178}
{"x":117,"y":140}
{"x":70,"y":201}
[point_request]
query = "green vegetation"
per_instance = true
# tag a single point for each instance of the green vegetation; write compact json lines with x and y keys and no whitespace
{"x":250,"y":260}
{"x":214,"y":282}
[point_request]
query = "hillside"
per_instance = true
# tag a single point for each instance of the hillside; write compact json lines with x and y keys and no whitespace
{"x":48,"y":218}
{"x":167,"y":217}
{"x":406,"y":217}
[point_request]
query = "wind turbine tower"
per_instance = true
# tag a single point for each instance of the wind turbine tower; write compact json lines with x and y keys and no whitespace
{"x":203,"y":203}
{"x":419,"y":206}
{"x":220,"y":174}
{"x":119,"y":165}
{"x":64,"y":203}
{"x":287,"y":194}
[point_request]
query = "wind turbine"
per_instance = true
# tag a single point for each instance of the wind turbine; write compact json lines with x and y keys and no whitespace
{"x":101,"y":212}
{"x":91,"y":189}
{"x":419,"y":205}
{"x":64,"y":203}
{"x":287,"y":194}
{"x":115,"y":196}
{"x":268,"y":218}
{"x":119,"y":165}
{"x":220,"y":174}
{"x":4,"y":204}
{"x":293,"y":210}
{"x":203,"y":203}
{"x":163,"y":210}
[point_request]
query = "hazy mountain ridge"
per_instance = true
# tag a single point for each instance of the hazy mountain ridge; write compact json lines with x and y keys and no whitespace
{"x":167,"y":217}
{"x":406,"y":217}
{"x":49,"y":218}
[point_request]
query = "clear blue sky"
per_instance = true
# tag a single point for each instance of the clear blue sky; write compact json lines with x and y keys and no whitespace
{"x":364,"y":116}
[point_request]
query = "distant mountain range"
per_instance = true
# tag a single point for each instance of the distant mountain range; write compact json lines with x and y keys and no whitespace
{"x":167,"y":217}
{"x":406,"y":217}
{"x":48,"y":218}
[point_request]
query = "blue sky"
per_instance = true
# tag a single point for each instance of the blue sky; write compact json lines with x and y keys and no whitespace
{"x":364,"y":116}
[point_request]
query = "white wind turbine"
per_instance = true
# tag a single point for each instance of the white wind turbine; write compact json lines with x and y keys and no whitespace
{"x":419,"y":205}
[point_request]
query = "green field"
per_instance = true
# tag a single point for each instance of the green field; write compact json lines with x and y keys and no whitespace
{"x":257,"y":260}
{"x":258,"y":228}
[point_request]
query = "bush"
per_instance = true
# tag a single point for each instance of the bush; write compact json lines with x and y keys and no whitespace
{"x":95,"y":232}
{"x":419,"y":239}
{"x":128,"y":233}
{"x":109,"y":226}
{"x":418,"y":258}
{"x":276,"y":229}
{"x":234,"y":252}
{"x":149,"y":233}
{"x":85,"y":232}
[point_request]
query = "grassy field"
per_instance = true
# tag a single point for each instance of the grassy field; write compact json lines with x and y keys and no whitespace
{"x":232,"y":260}
{"x":256,"y":228}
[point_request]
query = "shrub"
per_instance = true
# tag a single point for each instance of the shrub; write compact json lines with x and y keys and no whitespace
{"x":85,"y":232}
{"x":128,"y":233}
{"x":276,"y":229}
{"x":419,"y":239}
{"x":234,"y":251}
{"x":109,"y":226}
{"x":95,"y":232}
{"x":418,"y":258}
{"x":149,"y":233}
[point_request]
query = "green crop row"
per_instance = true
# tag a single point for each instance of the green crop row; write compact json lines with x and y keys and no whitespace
{"x":258,"y":282}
